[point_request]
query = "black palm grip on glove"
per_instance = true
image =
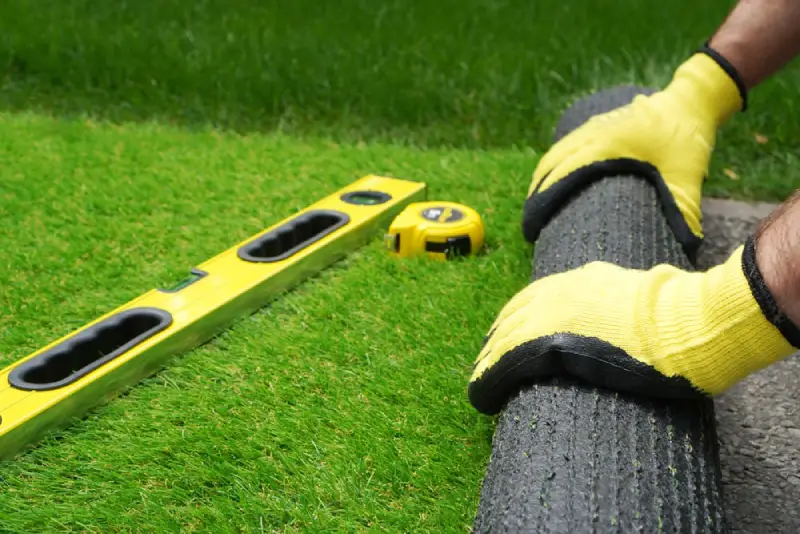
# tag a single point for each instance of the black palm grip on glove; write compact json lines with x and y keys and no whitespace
{"x":585,"y":358}
{"x":540,"y":207}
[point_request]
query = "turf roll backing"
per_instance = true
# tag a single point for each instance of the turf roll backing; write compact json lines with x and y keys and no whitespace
{"x":571,"y":458}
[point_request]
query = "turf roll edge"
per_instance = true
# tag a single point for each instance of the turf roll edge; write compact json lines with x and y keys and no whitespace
{"x":571,"y":458}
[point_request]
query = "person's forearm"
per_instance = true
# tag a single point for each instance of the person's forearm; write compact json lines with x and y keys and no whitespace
{"x":759,"y":37}
{"x":778,"y":255}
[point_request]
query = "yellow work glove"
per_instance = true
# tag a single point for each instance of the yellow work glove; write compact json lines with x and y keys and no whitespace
{"x":666,"y":138}
{"x":662,"y":332}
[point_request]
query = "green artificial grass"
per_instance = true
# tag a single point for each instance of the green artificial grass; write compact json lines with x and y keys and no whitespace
{"x":466,"y":73}
{"x":141,"y":138}
{"x":333,"y":409}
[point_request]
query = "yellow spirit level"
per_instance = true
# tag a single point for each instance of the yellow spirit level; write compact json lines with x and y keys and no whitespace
{"x":62,"y":381}
{"x":442,"y":230}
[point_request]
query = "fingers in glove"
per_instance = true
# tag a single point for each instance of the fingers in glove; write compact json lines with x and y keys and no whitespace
{"x":559,"y":152}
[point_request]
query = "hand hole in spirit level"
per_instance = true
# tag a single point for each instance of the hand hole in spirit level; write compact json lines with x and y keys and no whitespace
{"x":89,"y":349}
{"x":293,"y":236}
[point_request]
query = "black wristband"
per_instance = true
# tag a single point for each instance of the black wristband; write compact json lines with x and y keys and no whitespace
{"x":729,"y":69}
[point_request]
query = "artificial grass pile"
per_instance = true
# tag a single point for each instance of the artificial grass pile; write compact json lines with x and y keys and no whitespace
{"x":341,"y":406}
{"x":466,"y":73}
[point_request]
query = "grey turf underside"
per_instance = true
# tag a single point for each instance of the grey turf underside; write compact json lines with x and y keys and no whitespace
{"x":571,"y":459}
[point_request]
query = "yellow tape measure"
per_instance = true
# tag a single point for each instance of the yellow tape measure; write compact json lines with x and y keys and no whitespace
{"x":442,"y":230}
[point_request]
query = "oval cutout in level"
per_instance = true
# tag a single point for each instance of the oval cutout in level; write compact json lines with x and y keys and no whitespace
{"x":89,"y":349}
{"x":292,"y":236}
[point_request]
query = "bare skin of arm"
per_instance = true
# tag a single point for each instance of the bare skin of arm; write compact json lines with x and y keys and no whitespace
{"x":777,"y":246}
{"x":759,"y":38}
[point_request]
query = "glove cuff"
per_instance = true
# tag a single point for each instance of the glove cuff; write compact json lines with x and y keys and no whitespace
{"x":729,"y":69}
{"x":716,"y":327}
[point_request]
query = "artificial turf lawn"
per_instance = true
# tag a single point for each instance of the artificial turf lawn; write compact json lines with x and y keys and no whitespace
{"x":470,"y":73}
{"x":332,"y":409}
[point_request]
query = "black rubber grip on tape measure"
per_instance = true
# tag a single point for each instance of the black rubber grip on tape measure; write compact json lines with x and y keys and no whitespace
{"x":569,"y":458}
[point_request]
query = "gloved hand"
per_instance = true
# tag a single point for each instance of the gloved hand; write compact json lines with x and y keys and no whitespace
{"x":662,"y":332}
{"x":666,"y":137}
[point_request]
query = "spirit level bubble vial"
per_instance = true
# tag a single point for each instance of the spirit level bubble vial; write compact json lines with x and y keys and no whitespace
{"x":62,"y":381}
